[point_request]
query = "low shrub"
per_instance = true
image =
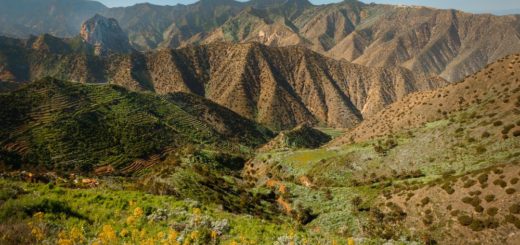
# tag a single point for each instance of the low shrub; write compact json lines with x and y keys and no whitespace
{"x":489,"y":198}
{"x":465,"y":220}
{"x":513,"y":220}
{"x":447,"y":187}
{"x":507,"y":128}
{"x":515,"y":209}
{"x":492,"y":211}
{"x":486,"y":134}
{"x":425,"y":201}
{"x":482,"y":179}
{"x":500,"y":183}
{"x":469,"y":183}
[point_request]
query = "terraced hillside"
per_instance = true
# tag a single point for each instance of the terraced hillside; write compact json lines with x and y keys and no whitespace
{"x":449,"y":178}
{"x":107,"y":129}
{"x":278,"y":87}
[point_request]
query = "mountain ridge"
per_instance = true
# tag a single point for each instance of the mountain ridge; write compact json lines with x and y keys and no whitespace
{"x":279,"y":87}
{"x":428,"y":41}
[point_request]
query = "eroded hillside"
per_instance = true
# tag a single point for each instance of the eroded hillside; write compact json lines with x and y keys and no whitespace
{"x":278,"y":87}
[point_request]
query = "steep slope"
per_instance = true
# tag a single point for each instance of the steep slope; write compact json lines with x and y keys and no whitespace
{"x":62,"y":18}
{"x":429,"y":41}
{"x":74,"y":127}
{"x":490,"y":96}
{"x":151,"y":26}
{"x":449,"y":43}
{"x":105,"y":35}
{"x":279,"y":87}
{"x":45,"y":55}
{"x":221,"y":119}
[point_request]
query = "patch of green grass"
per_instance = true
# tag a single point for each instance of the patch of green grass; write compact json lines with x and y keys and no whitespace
{"x":332,"y":132}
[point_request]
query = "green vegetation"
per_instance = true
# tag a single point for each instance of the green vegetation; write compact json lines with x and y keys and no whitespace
{"x":74,"y":127}
{"x":108,"y":216}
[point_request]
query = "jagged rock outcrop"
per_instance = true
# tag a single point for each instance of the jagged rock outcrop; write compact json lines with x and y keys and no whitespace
{"x":279,"y":87}
{"x":105,"y":35}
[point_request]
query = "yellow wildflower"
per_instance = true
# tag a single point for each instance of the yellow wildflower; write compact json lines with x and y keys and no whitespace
{"x":107,"y":235}
{"x":187,"y":241}
{"x":194,"y":235}
{"x":350,"y":241}
{"x":130,"y":220}
{"x":76,"y":235}
{"x":65,"y":242}
{"x":123,"y":233}
{"x":214,"y":235}
{"x":149,"y":241}
{"x":37,"y":232}
{"x":38,"y":215}
{"x":138,"y":212}
{"x":197,"y":211}
{"x":172,"y":237}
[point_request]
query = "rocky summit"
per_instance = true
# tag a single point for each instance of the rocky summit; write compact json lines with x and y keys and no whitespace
{"x":105,"y":35}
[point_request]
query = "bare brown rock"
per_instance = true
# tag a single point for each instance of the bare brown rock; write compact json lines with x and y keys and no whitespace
{"x":492,"y":96}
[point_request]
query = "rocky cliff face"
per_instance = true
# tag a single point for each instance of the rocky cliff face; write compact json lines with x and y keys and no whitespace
{"x":105,"y":35}
{"x":279,"y":87}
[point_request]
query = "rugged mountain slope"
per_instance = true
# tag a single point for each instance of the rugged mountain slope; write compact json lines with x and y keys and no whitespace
{"x":221,"y":119}
{"x":62,"y":18}
{"x":151,"y":26}
{"x":70,"y":126}
{"x":279,"y":87}
{"x":491,"y":96}
{"x":37,"y":57}
{"x":105,"y":35}
{"x":449,"y":43}
{"x":430,"y":41}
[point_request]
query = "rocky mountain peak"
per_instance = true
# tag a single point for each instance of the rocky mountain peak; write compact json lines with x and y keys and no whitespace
{"x":105,"y":34}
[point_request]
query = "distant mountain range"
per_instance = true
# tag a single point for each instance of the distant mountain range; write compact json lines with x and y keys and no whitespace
{"x":280,"y":87}
{"x":428,"y":41}
{"x":502,"y":11}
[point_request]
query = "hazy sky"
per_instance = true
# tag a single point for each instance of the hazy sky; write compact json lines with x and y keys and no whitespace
{"x":468,"y":5}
